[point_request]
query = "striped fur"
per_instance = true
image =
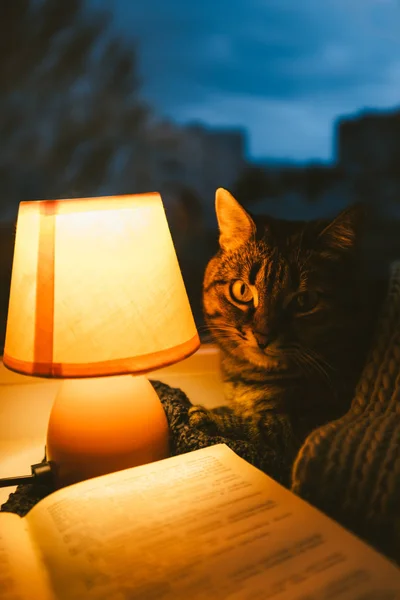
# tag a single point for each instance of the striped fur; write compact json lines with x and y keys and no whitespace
{"x":297,"y":346}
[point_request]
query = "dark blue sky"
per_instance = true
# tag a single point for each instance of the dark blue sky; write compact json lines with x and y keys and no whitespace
{"x":283,"y":69}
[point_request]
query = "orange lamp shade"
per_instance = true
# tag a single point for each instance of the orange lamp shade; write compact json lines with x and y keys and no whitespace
{"x":96,"y":289}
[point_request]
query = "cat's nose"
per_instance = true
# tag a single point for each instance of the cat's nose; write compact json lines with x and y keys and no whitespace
{"x":263,"y":339}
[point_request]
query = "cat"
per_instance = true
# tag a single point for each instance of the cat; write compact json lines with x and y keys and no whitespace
{"x":288,"y":304}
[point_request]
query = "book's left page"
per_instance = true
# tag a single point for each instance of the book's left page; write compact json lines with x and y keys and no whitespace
{"x":22,"y":574}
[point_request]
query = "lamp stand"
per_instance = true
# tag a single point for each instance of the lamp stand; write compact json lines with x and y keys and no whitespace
{"x":105,"y":424}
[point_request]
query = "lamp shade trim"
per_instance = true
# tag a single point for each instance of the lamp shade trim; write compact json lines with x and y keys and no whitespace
{"x":134,"y":365}
{"x":44,"y":321}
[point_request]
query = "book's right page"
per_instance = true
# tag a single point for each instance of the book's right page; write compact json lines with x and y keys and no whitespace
{"x":204,"y":524}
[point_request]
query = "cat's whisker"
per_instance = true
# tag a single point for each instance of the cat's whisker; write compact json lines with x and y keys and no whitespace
{"x":314,"y":362}
{"x":222,"y":330}
{"x":221,"y":327}
{"x":317,"y":367}
{"x":321,"y":359}
{"x":226,"y":333}
{"x":298,"y":359}
{"x":317,"y":361}
{"x":307,"y":361}
{"x":309,"y":367}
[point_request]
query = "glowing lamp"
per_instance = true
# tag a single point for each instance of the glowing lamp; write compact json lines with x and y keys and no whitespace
{"x":97,"y":299}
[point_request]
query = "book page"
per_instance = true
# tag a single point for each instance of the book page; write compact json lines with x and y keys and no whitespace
{"x":204,"y":524}
{"x":22,"y":576}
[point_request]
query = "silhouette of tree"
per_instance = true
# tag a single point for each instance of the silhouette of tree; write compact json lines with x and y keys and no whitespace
{"x":69,"y":105}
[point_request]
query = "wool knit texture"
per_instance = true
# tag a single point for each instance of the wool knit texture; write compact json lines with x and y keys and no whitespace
{"x":349,"y":468}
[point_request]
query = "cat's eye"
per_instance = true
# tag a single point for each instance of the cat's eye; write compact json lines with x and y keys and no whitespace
{"x":241,"y":292}
{"x":305,"y":302}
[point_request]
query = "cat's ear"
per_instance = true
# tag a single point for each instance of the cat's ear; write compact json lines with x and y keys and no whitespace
{"x":236,"y":227}
{"x":342,"y":233}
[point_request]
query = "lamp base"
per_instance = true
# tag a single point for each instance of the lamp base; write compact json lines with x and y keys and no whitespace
{"x":101,"y":425}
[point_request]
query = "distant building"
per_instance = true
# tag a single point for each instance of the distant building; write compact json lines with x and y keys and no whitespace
{"x":368,"y":152}
{"x":194,"y":157}
{"x":369,"y":141}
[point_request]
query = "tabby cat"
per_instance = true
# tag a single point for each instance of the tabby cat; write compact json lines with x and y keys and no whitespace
{"x":288,"y":306}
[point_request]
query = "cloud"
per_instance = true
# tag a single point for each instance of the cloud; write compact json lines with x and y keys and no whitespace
{"x":278,"y":66}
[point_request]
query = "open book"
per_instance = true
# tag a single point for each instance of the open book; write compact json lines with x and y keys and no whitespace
{"x":201,"y":525}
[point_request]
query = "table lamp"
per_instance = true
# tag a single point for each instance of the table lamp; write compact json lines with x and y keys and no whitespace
{"x":97,"y":299}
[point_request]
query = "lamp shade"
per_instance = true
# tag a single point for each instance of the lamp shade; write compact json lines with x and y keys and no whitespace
{"x":96,"y":289}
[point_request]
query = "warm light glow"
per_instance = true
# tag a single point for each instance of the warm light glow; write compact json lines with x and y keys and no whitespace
{"x":101,"y":425}
{"x":96,"y":289}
